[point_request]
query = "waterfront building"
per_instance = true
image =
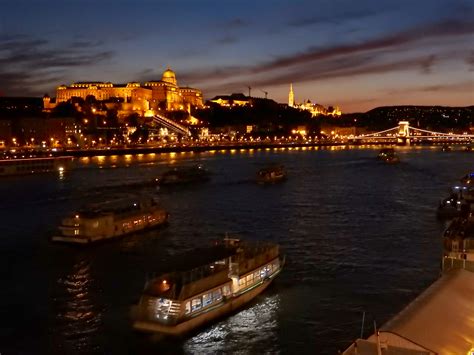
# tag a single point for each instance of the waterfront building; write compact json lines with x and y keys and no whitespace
{"x":314,"y":109}
{"x":132,"y":97}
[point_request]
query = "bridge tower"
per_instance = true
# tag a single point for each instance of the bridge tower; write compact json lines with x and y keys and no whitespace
{"x":403,"y":132}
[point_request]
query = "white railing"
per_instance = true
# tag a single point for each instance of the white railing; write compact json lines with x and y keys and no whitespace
{"x":171,"y":125}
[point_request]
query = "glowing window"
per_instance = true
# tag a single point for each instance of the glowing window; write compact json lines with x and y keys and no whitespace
{"x":196,"y":304}
{"x":206,"y":299}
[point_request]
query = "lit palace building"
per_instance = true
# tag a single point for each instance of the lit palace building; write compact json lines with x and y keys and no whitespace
{"x":164,"y":94}
{"x":314,"y":109}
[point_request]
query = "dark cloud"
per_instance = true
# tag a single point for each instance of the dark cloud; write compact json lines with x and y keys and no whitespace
{"x":81,"y":43}
{"x":470,"y":61}
{"x":427,"y":64}
{"x":227,"y":40}
{"x":449,"y":87}
{"x":345,"y":59}
{"x":437,"y":30}
{"x":147,"y":74}
{"x":30,"y":65}
{"x":235,"y":23}
{"x":347,"y":68}
{"x":332,"y":18}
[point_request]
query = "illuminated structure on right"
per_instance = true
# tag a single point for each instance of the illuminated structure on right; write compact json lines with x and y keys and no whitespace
{"x":314,"y":109}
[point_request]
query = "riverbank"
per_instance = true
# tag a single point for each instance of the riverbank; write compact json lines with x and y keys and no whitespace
{"x":205,"y":148}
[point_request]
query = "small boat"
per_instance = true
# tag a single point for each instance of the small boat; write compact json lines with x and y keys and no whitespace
{"x":110,"y":219}
{"x":272,"y":174}
{"x":388,"y":155}
{"x":449,"y":208}
{"x":468,"y":179}
{"x":446,"y":148}
{"x":212,"y":283}
{"x":175,"y":176}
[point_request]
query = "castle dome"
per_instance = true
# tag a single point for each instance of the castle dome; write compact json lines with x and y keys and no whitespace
{"x":169,"y":76}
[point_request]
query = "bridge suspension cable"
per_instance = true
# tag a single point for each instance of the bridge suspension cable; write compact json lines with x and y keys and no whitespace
{"x":440,"y":133}
{"x":377,"y":133}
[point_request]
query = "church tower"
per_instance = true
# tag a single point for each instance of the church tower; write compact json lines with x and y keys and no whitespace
{"x":291,"y":97}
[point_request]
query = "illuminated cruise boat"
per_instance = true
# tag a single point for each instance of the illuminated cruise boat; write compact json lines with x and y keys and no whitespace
{"x":110,"y":220}
{"x":33,"y":164}
{"x":214,"y":282}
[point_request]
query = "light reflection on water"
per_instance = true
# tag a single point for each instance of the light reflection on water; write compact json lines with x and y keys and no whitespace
{"x":78,"y":315}
{"x":258,"y":325}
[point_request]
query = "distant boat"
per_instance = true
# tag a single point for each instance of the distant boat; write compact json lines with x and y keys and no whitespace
{"x":181,"y":175}
{"x":449,"y":208}
{"x":110,"y":219}
{"x":388,"y":155}
{"x":272,"y":174}
{"x":207,"y":284}
{"x":446,"y":148}
{"x":468,"y":179}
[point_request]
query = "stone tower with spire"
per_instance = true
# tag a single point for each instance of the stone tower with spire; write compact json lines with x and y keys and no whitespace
{"x":291,"y":97}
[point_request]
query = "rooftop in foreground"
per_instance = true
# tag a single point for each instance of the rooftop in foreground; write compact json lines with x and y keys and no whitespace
{"x":439,"y":321}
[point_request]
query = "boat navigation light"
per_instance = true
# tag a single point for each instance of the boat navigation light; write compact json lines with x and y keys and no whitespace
{"x":164,"y":282}
{"x":61,"y":169}
{"x":135,"y":204}
{"x":77,"y":216}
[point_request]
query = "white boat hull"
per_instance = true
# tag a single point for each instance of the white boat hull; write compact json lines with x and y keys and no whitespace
{"x":199,"y":320}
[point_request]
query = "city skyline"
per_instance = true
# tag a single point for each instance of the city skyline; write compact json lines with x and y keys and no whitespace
{"x":355,"y":56}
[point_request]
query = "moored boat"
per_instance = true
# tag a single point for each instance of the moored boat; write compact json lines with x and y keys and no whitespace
{"x":197,"y":173}
{"x":271,"y":174}
{"x":214,"y":282}
{"x":34,"y":165}
{"x":110,"y":220}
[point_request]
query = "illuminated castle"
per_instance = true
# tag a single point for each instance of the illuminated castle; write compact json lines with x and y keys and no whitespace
{"x":164,"y":94}
{"x":314,"y":109}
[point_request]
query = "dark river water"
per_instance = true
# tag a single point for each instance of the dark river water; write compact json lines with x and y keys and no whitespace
{"x":359,"y":236}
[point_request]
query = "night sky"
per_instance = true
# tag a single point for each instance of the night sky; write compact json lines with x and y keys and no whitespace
{"x":354,"y":54}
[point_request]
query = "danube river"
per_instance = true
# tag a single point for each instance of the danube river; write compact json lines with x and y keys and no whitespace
{"x":359,"y":235}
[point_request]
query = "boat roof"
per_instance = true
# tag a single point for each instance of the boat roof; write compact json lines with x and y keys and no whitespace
{"x":441,"y":318}
{"x":196,"y":258}
{"x":366,"y":347}
{"x":114,"y":204}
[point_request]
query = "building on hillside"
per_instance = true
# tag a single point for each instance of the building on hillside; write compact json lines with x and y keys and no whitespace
{"x":132,"y":97}
{"x":39,"y":129}
{"x":314,"y":109}
{"x":231,"y":100}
